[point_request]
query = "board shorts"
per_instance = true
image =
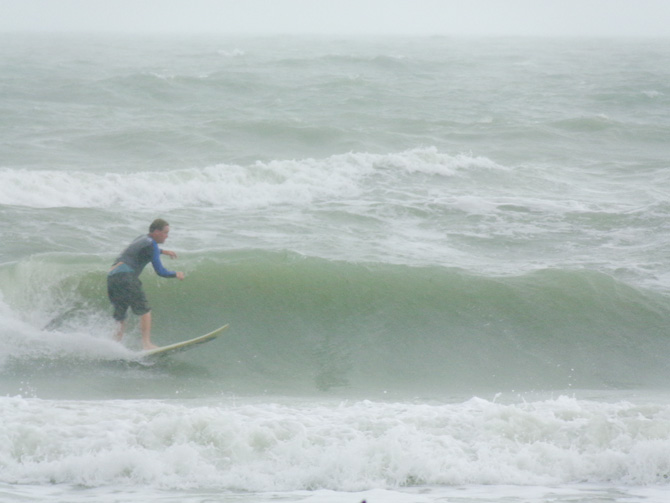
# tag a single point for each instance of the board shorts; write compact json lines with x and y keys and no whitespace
{"x":125,"y":291}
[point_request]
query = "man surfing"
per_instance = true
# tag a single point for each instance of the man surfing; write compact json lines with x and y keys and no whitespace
{"x":124,"y":287}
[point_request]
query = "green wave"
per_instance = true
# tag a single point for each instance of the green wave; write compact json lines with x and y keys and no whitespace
{"x":304,"y":323}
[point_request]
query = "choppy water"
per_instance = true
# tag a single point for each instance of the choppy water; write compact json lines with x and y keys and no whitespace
{"x":444,"y":262}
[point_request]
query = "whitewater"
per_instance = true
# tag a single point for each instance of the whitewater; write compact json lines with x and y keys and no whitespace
{"x":443,"y":261}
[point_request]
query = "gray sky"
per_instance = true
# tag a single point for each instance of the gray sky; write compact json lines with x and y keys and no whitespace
{"x":407,"y":17}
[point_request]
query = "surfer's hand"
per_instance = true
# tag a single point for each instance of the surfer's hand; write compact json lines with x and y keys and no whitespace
{"x":180,"y":275}
{"x":169,"y":253}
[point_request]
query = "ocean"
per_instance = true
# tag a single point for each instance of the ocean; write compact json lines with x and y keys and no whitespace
{"x":444,"y":262}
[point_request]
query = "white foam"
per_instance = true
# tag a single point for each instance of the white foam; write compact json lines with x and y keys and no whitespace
{"x":22,"y":332}
{"x":297,"y":182}
{"x":22,"y":340}
{"x":341,"y":447}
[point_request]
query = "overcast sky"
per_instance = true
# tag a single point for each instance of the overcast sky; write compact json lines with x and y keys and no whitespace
{"x":406,"y":17}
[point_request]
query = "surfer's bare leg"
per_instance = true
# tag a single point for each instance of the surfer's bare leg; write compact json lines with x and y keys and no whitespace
{"x":118,"y":336}
{"x":145,"y":326}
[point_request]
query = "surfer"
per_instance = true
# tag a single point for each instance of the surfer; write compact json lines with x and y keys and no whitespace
{"x":124,"y":287}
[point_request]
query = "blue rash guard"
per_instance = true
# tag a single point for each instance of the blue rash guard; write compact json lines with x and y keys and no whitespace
{"x":138,"y":254}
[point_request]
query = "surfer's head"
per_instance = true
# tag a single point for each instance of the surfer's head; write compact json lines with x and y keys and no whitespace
{"x":158,"y":225}
{"x":159,"y":230}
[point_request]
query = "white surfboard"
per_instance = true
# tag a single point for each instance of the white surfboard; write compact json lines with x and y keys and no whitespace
{"x":184,"y":345}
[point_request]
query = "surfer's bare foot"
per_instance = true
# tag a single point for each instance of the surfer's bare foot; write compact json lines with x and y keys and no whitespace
{"x":150,"y":346}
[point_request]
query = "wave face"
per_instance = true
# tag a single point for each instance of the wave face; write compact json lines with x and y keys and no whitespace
{"x":301,"y":324}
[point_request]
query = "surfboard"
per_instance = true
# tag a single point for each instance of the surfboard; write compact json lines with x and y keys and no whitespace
{"x":184,"y":345}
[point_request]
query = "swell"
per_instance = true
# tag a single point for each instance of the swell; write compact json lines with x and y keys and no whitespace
{"x":305,"y":323}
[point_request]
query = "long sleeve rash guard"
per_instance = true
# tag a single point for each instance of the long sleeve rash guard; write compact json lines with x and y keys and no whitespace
{"x":138,"y":254}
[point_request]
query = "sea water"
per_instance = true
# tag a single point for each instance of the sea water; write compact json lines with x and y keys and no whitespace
{"x":444,"y":262}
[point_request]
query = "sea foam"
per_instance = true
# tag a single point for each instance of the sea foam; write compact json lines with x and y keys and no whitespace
{"x":260,"y":184}
{"x":350,"y":447}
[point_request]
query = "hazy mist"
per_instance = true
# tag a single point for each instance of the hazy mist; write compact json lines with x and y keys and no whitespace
{"x":598,"y":18}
